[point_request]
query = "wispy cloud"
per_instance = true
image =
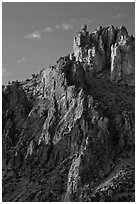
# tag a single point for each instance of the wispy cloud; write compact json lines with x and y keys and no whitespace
{"x":120,"y":15}
{"x":5,"y":72}
{"x":73,"y":23}
{"x":22,"y":60}
{"x":48,"y":29}
{"x":58,"y":27}
{"x":64,"y":26}
{"x":36,"y":34}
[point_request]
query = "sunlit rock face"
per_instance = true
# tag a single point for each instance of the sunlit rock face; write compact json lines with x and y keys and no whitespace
{"x":123,"y":57}
{"x":80,"y":44}
{"x":104,"y":48}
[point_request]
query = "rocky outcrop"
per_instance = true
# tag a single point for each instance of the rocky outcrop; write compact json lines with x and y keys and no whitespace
{"x":123,"y":57}
{"x":71,"y":129}
{"x":15,"y":107}
{"x":107,"y":47}
{"x":85,"y":50}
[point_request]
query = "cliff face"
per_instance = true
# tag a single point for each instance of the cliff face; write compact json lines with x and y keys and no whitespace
{"x":74,"y":127}
{"x":104,"y":48}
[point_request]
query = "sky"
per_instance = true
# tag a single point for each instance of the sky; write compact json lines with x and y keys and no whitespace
{"x":36,"y":34}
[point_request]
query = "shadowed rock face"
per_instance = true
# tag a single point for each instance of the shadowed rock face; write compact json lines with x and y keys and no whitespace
{"x":68,"y":133}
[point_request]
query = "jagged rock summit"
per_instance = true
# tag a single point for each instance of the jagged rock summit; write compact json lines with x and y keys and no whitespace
{"x":68,"y":132}
{"x":104,"y":48}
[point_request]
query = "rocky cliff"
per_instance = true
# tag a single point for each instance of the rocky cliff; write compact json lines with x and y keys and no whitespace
{"x":68,"y":132}
{"x":104,"y":48}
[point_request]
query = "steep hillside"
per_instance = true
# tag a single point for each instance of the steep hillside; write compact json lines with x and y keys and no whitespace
{"x":68,"y":132}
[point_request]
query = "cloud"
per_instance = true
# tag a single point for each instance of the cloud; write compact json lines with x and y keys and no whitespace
{"x":48,"y":29}
{"x":5,"y":72}
{"x":36,"y":34}
{"x":22,"y":60}
{"x":64,"y":26}
{"x":120,"y":15}
{"x":58,"y":27}
{"x":73,"y":23}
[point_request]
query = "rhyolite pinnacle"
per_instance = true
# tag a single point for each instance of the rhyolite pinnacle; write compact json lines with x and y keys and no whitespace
{"x":104,"y":48}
